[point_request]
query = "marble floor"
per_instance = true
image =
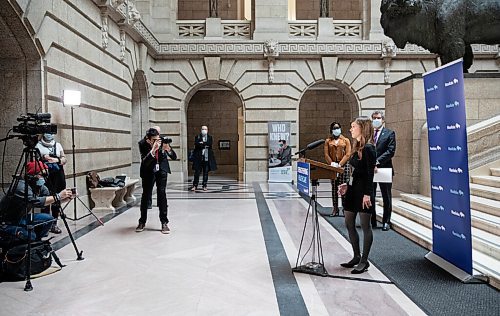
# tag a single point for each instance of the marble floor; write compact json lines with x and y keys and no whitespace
{"x":230,"y":252}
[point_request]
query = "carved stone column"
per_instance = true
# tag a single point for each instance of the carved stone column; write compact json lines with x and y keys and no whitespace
{"x":213,"y":8}
{"x":324,"y":8}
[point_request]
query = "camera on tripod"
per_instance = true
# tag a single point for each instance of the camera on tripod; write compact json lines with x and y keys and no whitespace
{"x":165,"y":140}
{"x":34,"y":124}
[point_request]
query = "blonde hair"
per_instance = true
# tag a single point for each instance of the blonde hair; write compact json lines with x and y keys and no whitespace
{"x":365,"y":123}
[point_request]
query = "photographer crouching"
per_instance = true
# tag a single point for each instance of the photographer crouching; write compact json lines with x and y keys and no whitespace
{"x":13,"y":217}
{"x":155,"y":168}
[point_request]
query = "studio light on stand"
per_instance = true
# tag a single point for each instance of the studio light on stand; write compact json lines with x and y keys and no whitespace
{"x":73,"y":99}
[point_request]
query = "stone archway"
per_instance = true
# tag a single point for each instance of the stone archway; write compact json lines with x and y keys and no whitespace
{"x":320,"y":105}
{"x":221,"y":109}
{"x":139,"y":118}
{"x":20,"y":80}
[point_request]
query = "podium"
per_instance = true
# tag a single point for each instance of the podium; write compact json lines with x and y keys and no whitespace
{"x":316,"y":266}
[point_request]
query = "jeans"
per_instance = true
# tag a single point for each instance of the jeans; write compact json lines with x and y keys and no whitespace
{"x":39,"y":231}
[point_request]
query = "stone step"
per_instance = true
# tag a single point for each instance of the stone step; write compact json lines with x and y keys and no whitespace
{"x":482,"y":241}
{"x":480,"y":220}
{"x":492,"y":181}
{"x":485,"y":191}
{"x":422,"y":235}
{"x":495,"y":172}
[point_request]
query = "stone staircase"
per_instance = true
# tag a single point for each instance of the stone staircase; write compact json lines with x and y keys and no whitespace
{"x":412,"y":217}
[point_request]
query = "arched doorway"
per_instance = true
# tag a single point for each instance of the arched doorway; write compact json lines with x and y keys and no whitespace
{"x":221,"y":109}
{"x":20,"y":81}
{"x":140,"y":118}
{"x":320,"y":105}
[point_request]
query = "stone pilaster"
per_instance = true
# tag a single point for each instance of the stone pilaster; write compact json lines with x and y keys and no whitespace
{"x":271,"y":20}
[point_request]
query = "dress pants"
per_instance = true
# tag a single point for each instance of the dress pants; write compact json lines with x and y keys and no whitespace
{"x":204,"y":168}
{"x":160,"y":178}
{"x":385,"y":190}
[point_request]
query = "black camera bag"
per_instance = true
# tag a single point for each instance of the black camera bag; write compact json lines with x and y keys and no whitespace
{"x":14,"y":261}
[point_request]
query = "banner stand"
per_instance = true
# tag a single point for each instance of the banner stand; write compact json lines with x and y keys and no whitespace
{"x":463,"y":276}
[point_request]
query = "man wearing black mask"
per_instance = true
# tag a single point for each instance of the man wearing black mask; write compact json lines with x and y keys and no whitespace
{"x":155,"y":169}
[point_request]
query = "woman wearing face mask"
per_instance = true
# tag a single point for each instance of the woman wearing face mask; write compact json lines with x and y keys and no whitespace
{"x":203,"y":158}
{"x":337,"y":151}
{"x":52,"y":154}
{"x":358,"y":192}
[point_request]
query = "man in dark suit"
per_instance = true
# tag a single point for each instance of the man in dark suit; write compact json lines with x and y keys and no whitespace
{"x":385,"y":145}
{"x":155,"y":169}
{"x":203,"y":158}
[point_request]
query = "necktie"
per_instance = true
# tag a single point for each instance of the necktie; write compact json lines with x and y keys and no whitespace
{"x":375,"y":136}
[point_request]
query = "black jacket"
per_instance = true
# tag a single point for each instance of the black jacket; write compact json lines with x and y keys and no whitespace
{"x":199,"y":145}
{"x":148,"y":162}
{"x":385,"y":147}
{"x":13,"y":205}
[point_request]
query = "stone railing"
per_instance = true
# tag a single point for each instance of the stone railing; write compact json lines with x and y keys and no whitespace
{"x":341,"y":29}
{"x":303,"y":29}
{"x":484,"y":142}
{"x":191,"y":29}
{"x":350,"y":29}
{"x":235,"y":29}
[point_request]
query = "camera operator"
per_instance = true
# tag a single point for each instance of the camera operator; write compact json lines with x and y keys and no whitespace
{"x":155,"y":168}
{"x":53,"y":156}
{"x":13,"y":205}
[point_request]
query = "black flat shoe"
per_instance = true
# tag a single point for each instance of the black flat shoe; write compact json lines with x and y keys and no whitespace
{"x":351,"y":264}
{"x":360,"y":268}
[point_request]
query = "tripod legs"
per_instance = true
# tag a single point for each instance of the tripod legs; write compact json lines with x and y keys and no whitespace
{"x":78,"y":253}
{"x":313,"y":267}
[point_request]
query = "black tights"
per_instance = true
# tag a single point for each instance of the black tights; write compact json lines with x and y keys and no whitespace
{"x":350,"y":223}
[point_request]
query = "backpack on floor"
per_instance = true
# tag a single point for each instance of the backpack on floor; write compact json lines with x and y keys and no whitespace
{"x":14,"y":260}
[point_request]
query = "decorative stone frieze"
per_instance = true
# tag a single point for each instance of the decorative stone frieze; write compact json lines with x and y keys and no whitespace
{"x":104,"y":27}
{"x":122,"y":44}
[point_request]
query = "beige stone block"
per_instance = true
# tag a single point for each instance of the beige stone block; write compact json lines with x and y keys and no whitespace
{"x":368,"y":78}
{"x":315,"y":68}
{"x":489,"y":108}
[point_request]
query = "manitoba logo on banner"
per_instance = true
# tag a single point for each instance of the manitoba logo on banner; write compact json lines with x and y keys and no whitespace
{"x":446,"y":121}
{"x":280,"y":152}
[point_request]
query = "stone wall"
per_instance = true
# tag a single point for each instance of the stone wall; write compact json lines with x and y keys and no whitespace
{"x":217,"y":109}
{"x":70,"y":39}
{"x":318,"y":109}
{"x":339,"y":9}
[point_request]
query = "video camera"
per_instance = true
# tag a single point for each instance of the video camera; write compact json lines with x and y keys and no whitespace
{"x":34,"y":124}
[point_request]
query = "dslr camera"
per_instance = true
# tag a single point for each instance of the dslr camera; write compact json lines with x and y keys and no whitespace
{"x":165,"y":140}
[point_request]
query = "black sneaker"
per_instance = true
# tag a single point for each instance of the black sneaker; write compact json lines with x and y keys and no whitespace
{"x":140,"y":227}
{"x":165,"y":229}
{"x":55,"y":229}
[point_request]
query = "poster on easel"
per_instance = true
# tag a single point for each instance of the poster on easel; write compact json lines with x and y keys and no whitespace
{"x":280,"y":152}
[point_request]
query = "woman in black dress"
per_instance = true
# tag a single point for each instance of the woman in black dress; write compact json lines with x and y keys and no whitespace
{"x":358,"y":192}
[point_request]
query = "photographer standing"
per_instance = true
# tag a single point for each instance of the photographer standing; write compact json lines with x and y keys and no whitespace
{"x":53,"y":156}
{"x":203,"y":158}
{"x":155,"y":168}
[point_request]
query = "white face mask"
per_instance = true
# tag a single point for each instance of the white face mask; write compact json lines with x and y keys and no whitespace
{"x":336,"y":132}
{"x":204,"y":132}
{"x":377,"y":123}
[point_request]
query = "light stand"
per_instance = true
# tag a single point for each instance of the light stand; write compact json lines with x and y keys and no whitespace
{"x":73,"y":98}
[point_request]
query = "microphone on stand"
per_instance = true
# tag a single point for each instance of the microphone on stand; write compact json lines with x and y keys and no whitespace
{"x":311,"y":146}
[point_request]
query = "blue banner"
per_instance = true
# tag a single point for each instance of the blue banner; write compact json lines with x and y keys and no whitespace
{"x":446,"y":123}
{"x":303,"y":177}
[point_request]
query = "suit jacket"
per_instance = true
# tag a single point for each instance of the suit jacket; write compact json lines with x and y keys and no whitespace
{"x":199,"y":145}
{"x":385,"y":148}
{"x":148,"y":162}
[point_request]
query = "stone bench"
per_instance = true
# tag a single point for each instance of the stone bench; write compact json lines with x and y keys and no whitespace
{"x":112,"y":198}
